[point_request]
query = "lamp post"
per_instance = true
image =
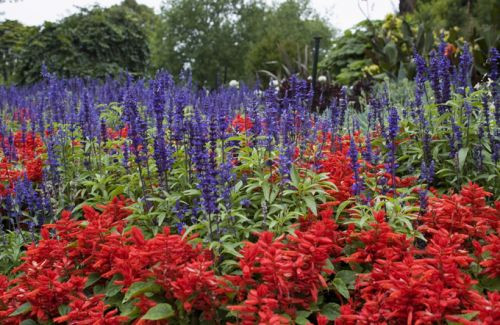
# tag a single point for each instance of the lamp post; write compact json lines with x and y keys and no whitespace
{"x":315,"y":64}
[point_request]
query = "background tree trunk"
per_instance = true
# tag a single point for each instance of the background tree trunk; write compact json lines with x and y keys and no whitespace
{"x":406,"y":6}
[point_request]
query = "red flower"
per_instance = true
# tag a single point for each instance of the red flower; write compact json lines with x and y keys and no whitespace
{"x":34,"y":169}
{"x":91,"y":311}
{"x":241,"y":124}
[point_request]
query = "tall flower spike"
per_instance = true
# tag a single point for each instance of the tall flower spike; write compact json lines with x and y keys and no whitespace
{"x":464,"y":70}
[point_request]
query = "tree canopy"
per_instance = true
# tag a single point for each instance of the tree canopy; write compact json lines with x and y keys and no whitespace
{"x":13,"y":40}
{"x":233,"y":39}
{"x":94,"y":42}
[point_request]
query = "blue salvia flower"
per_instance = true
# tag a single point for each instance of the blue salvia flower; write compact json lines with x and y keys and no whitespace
{"x":494,"y":59}
{"x":177,"y":126}
{"x":420,"y":78}
{"x":434,"y":76}
{"x":427,"y":172}
{"x":245,"y":203}
{"x":393,"y":130}
{"x":357,"y":187}
{"x":205,"y":164}
{"x":52,"y":158}
{"x":159,"y":102}
{"x":180,"y":210}
{"x":87,"y":117}
{"x":226,"y":179}
{"x":468,"y":112}
{"x":444,"y":73}
{"x":477,"y":154}
{"x":464,"y":70}
{"x":383,"y":106}
{"x":368,"y":152}
{"x":424,"y":201}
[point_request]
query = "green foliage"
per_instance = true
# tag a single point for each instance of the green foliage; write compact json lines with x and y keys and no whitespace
{"x":347,"y":58}
{"x":208,"y":36}
{"x":158,"y":312}
{"x":94,"y":42}
{"x":233,"y":39}
{"x":289,"y":30}
{"x":13,"y":38}
{"x":377,"y":49}
{"x":11,"y":249}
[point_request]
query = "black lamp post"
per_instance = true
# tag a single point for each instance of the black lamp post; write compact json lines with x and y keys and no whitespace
{"x":315,"y":63}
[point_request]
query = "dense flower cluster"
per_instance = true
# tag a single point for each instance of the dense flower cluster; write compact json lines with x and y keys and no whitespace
{"x":285,"y":273}
{"x":55,"y":271}
{"x":21,"y":156}
{"x":408,"y":285}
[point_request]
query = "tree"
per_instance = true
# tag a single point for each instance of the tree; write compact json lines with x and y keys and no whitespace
{"x":94,"y":42}
{"x":233,"y":38}
{"x":205,"y":35}
{"x":13,"y":38}
{"x":286,"y":41}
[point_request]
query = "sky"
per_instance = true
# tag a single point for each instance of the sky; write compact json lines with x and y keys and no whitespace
{"x":342,"y":14}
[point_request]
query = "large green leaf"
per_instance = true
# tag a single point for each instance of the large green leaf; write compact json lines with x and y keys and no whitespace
{"x":158,"y":312}
{"x":331,"y":311}
{"x":391,"y":53}
{"x":21,"y":310}
{"x":341,"y":287}
{"x":139,"y":288}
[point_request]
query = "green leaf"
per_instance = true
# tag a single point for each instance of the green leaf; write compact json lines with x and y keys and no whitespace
{"x":391,"y":51}
{"x":341,"y":208}
{"x":341,"y":287}
{"x":348,"y":276}
{"x":138,"y":288}
{"x":468,"y":316}
{"x":112,"y":288}
{"x":117,"y":191}
{"x":28,"y":322}
{"x":301,"y":317}
{"x":329,"y":266}
{"x":160,"y":311}
{"x":294,"y":177}
{"x":229,"y":248}
{"x":311,"y":204}
{"x":23,"y":309}
{"x":491,"y":284}
{"x":92,"y":278}
{"x":63,"y":309}
{"x":130,"y":310}
{"x":462,"y":155}
{"x":331,"y":311}
{"x":266,"y":188}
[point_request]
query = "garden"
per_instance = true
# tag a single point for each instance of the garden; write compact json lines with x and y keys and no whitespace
{"x":153,"y":200}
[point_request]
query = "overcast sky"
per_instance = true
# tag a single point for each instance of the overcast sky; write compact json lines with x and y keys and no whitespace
{"x":342,"y":14}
